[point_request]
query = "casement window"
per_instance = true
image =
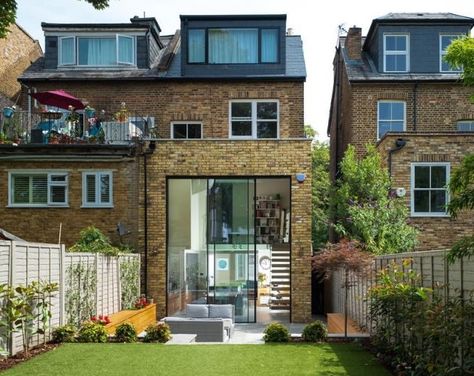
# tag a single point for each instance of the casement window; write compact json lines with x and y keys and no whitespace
{"x":233,"y":46}
{"x":254,"y":119}
{"x":97,"y":190}
{"x":186,"y":130}
{"x":429,"y":194}
{"x":97,"y":51}
{"x":444,"y":42}
{"x":391,"y":117}
{"x":396,"y":53}
{"x":38,"y":189}
{"x":465,"y":126}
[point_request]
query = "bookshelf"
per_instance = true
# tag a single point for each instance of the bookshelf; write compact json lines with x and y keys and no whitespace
{"x":268,"y":217}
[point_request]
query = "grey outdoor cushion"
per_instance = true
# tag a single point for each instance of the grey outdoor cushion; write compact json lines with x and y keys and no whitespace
{"x":197,"y":310}
{"x":222,"y":311}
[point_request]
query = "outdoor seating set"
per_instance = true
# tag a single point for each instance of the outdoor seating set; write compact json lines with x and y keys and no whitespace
{"x":209,"y":322}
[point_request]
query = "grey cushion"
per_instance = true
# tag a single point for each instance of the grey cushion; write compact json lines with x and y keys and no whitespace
{"x":223,"y":311}
{"x":197,"y":310}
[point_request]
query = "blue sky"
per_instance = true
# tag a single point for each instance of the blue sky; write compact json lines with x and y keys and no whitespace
{"x":316,"y":21}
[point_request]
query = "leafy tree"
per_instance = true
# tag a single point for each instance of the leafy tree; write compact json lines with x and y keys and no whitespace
{"x":365,"y":210}
{"x":460,"y":53}
{"x":8,"y":10}
{"x":320,"y":191}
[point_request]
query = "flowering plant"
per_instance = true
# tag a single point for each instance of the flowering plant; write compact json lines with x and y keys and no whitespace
{"x":122,"y":114}
{"x":141,"y":302}
{"x":101,"y":319}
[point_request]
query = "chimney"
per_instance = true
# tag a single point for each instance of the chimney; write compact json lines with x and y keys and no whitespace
{"x":353,"y":43}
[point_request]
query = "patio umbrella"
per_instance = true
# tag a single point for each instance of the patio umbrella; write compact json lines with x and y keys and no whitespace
{"x":58,"y":98}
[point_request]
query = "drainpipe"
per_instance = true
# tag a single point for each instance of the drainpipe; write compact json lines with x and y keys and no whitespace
{"x":415,"y":92}
{"x":399,"y":144}
{"x":151,"y":148}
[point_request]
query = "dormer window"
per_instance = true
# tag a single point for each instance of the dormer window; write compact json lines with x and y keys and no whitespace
{"x":395,"y":53}
{"x":444,"y":42}
{"x":97,"y":51}
{"x":233,"y":46}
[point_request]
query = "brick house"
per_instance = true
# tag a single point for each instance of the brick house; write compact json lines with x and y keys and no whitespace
{"x":213,"y":190}
{"x":393,"y":88}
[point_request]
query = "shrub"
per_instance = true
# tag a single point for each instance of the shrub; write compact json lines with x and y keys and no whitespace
{"x":92,"y":332}
{"x":64,"y":333}
{"x":276,"y":332}
{"x":315,"y":332}
{"x":159,"y":332}
{"x":126,"y":333}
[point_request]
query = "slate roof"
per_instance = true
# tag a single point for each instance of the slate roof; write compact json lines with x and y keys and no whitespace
{"x":295,"y":67}
{"x":423,"y":17}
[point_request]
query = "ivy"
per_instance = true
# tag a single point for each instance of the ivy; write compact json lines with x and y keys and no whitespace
{"x":130,"y":280}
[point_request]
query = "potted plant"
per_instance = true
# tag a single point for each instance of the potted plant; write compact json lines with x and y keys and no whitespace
{"x":122,"y":114}
{"x":9,"y":111}
{"x":89,"y":111}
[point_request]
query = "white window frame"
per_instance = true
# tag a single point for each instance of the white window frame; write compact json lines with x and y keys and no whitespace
{"x":97,"y":203}
{"x":173,"y":123}
{"x":391,"y":101}
{"x":406,"y":53}
{"x":133,"y":62}
{"x":412,"y":188}
{"x":443,"y":52}
{"x":49,"y":184}
{"x":470,"y":122}
{"x":60,"y":48}
{"x":254,"y":118}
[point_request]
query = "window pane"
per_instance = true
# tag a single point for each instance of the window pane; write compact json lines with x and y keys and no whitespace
{"x":58,"y":194}
{"x":125,"y":50}
{"x":385,"y":110}
{"x":90,"y":188}
{"x":390,"y":63}
{"x":422,"y":201}
{"x":230,"y":46}
{"x":39,"y":187}
{"x":194,"y":130}
{"x":67,"y":51}
{"x":104,"y":189}
{"x":58,"y":178}
{"x":401,"y":63}
{"x":438,"y":176}
{"x":179,"y":130}
{"x":438,"y":201}
{"x":466,"y":126}
{"x":241,"y":109}
{"x":401,"y":43}
{"x":390,"y":43}
{"x":21,"y":189}
{"x":269,"y":49}
{"x":241,"y":128}
{"x":422,"y":176}
{"x":398,"y":111}
{"x":267,"y":110}
{"x":97,"y":51}
{"x":267,"y":129}
{"x":384,"y":127}
{"x":446,"y":41}
{"x":196,"y":46}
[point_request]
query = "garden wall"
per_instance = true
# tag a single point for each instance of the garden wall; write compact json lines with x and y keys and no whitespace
{"x":89,"y":283}
{"x":451,"y":279}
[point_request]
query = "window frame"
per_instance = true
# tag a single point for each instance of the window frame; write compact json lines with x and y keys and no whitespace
{"x":406,"y":53}
{"x":173,"y":123}
{"x":413,"y":189}
{"x":49,"y":184}
{"x":404,"y":114}
{"x":60,"y":49}
{"x":97,"y":203}
{"x":254,"y":118}
{"x":443,"y":52}
{"x":470,"y":122}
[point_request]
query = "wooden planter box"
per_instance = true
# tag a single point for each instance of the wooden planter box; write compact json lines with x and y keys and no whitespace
{"x":139,"y":318}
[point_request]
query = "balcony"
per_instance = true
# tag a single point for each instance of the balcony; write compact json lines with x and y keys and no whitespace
{"x":66,"y":127}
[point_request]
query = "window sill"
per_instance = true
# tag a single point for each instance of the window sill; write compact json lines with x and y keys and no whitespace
{"x":97,"y":206}
{"x":430,"y":215}
{"x":37,"y":206}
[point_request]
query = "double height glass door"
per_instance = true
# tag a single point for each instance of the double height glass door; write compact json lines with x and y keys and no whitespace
{"x":211,"y":245}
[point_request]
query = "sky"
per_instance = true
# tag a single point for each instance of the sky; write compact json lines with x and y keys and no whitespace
{"x":316,"y":21}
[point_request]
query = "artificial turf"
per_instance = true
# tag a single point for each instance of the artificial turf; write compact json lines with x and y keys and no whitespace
{"x":201,"y":360}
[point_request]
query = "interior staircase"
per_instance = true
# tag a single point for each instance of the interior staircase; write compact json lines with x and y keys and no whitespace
{"x":280,"y":281}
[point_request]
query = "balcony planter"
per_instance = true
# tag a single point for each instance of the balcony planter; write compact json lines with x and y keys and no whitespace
{"x":8,"y":112}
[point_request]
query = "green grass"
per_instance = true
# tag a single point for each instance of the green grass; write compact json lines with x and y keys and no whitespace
{"x":201,"y":360}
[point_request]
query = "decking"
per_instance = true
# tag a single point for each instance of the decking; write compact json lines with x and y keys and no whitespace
{"x":336,"y":324}
{"x":139,"y":318}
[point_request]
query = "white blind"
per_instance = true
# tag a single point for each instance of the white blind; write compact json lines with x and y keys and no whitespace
{"x":104,"y":188}
{"x":30,"y":189}
{"x":90,"y":188}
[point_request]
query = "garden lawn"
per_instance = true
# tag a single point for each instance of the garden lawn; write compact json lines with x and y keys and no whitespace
{"x":201,"y":360}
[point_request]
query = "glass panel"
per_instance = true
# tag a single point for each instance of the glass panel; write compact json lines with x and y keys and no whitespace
{"x":241,"y":110}
{"x":398,"y":111}
{"x":267,"y":110}
{"x":384,"y":127}
{"x":196,"y":46}
{"x":21,"y":189}
{"x":385,"y":110}
{"x":105,"y":188}
{"x":125,"y":46}
{"x":267,"y":129}
{"x":422,"y":176}
{"x":179,"y":130}
{"x":401,"y":63}
{"x":90,"y":188}
{"x":67,"y":51}
{"x":390,"y":43}
{"x":269,"y":48}
{"x":390,"y":63}
{"x":58,"y":194}
{"x":97,"y":51}
{"x":39,"y":187}
{"x":233,"y":46}
{"x":422,"y":201}
{"x":194,"y":130}
{"x":438,"y":201}
{"x":446,"y":41}
{"x":241,"y":128}
{"x":466,"y":126}
{"x":401,"y":43}
{"x":438,"y":176}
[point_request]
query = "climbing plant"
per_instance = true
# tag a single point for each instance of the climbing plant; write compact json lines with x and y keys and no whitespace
{"x":129,"y":280}
{"x":81,"y":287}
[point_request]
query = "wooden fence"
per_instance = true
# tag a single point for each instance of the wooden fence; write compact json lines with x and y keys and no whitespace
{"x":22,"y":263}
{"x":435,"y":273}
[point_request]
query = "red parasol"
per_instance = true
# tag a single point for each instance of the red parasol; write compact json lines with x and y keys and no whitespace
{"x":58,"y":98}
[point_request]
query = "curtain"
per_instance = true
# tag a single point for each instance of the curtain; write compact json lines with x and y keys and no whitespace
{"x":97,"y":51}
{"x":125,"y":49}
{"x":196,"y":46}
{"x":270,"y":46}
{"x":67,"y":50}
{"x":233,"y":46}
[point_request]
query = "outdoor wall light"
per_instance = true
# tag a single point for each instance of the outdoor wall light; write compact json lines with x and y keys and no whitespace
{"x":300,"y":177}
